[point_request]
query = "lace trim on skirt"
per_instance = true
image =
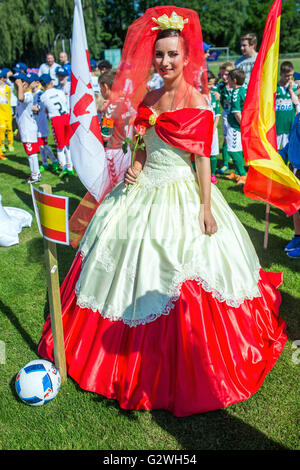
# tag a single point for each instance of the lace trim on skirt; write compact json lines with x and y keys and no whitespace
{"x":187,"y":274}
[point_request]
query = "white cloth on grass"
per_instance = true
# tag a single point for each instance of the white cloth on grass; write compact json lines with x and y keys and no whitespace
{"x":12,"y":221}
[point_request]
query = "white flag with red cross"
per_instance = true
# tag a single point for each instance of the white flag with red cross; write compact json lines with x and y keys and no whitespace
{"x":86,"y":146}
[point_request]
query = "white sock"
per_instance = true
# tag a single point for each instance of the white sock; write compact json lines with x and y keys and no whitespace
{"x":62,"y":158}
{"x":34,"y":165}
{"x":68,"y":158}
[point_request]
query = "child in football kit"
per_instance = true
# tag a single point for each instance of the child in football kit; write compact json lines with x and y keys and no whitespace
{"x":290,"y":152}
{"x":43,"y":129}
{"x":63,"y":83}
{"x":286,"y":94}
{"x":225,"y":95}
{"x":56,"y":106}
{"x":5,"y":113}
{"x":27,"y":125}
{"x":215,"y":104}
{"x":236,"y":80}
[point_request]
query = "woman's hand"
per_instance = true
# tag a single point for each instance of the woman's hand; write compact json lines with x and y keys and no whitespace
{"x":131,"y":176}
{"x":207,"y":221}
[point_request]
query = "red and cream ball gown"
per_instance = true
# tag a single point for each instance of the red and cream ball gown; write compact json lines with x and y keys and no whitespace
{"x":156,"y":314}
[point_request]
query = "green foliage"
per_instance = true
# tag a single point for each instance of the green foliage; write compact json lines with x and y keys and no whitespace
{"x":29,"y":27}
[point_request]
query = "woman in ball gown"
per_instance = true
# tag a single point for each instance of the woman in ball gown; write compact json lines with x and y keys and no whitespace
{"x":166,"y":305}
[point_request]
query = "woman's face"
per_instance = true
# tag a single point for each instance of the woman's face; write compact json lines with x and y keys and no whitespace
{"x":169,"y":57}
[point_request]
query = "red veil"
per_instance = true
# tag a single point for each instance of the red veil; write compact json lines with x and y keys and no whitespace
{"x":129,"y":89}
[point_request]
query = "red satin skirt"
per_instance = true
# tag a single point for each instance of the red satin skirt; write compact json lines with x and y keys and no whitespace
{"x":203,"y":356}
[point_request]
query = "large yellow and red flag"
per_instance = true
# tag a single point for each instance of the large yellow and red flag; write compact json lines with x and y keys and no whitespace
{"x":269,"y":179}
{"x":52,"y":214}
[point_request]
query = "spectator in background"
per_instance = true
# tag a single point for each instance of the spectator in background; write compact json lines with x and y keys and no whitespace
{"x":103,"y":66}
{"x":249,"y":54}
{"x":49,"y":67}
{"x":64,"y":62}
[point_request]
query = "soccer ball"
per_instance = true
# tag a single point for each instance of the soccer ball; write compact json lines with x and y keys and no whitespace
{"x":38,"y":382}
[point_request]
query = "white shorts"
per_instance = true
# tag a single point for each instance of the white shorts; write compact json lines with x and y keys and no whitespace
{"x":282,"y":140}
{"x":234,"y":141}
{"x":224,"y":124}
{"x":215,"y":144}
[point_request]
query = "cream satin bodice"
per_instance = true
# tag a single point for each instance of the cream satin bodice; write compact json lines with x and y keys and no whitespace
{"x":165,"y":164}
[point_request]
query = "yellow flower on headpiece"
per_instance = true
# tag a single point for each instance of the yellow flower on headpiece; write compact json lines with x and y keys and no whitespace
{"x":152,"y":119}
{"x":174,"y":22}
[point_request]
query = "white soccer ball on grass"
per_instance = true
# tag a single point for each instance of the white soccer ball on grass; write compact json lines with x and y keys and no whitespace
{"x":38,"y":382}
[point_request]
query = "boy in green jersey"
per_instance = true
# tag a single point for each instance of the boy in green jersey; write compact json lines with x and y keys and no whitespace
{"x":286,"y":98}
{"x":215,"y":104}
{"x":234,"y":142}
{"x":224,"y":93}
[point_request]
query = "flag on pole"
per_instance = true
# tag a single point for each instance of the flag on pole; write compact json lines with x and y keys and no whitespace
{"x":86,"y":145}
{"x":52,"y":214}
{"x":269,"y":178}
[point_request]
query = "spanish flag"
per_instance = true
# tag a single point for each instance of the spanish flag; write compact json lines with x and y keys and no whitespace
{"x":52,"y":214}
{"x":269,"y":179}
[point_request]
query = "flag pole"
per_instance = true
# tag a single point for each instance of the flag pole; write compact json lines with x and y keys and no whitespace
{"x":54,"y":301}
{"x":267,"y":220}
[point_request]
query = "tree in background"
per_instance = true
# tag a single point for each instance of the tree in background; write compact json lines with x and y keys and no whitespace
{"x":30,"y":27}
{"x":257,"y":12}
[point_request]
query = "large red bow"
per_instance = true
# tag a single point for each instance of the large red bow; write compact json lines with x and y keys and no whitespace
{"x":189,"y":129}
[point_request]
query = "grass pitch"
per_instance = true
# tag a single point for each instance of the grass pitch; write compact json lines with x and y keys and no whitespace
{"x":79,"y":420}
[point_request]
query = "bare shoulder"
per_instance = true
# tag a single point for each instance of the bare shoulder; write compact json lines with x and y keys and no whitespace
{"x":198,"y":100}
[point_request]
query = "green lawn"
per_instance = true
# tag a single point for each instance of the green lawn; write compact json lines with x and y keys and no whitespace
{"x":81,"y":420}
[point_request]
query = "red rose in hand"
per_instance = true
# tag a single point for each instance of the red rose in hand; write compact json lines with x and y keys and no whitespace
{"x":140,"y":130}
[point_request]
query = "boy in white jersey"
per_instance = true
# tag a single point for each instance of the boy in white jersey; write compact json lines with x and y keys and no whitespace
{"x":56,"y":106}
{"x":43,"y":129}
{"x":27,"y":125}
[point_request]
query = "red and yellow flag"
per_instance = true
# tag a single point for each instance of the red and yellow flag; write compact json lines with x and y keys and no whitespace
{"x":52,"y":214}
{"x":269,"y":179}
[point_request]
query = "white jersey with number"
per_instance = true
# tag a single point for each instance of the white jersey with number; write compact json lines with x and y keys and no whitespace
{"x":55,"y":102}
{"x":41,"y":117}
{"x":67,"y":91}
{"x":25,"y":120}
